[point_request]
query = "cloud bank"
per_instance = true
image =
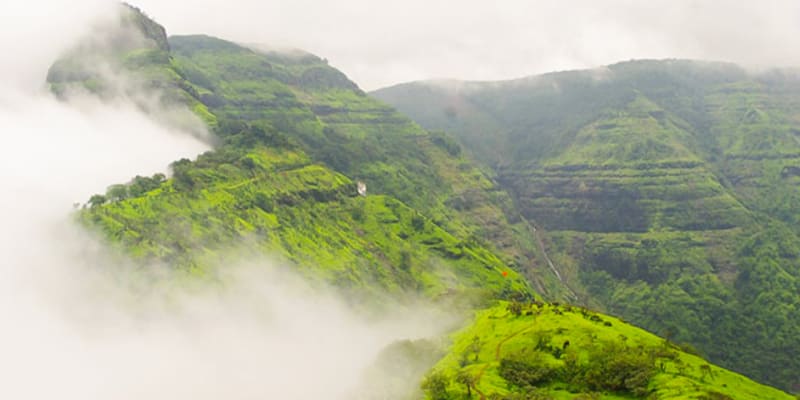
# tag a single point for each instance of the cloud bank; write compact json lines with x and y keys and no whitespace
{"x":79,"y":321}
{"x":379,"y":43}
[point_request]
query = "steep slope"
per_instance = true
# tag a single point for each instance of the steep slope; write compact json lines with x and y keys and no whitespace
{"x":549,"y":351}
{"x":666,"y":190}
{"x":129,"y":57}
{"x":335,"y":123}
{"x":234,"y":206}
{"x":274,"y":183}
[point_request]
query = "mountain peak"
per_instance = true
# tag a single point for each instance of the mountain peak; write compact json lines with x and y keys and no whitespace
{"x":134,"y":17}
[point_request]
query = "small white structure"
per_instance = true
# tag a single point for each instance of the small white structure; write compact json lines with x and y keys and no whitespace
{"x":362,"y":189}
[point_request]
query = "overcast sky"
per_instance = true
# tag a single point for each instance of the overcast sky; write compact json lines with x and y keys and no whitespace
{"x":381,"y":42}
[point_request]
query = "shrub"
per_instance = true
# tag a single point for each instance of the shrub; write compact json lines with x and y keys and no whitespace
{"x":619,"y":368}
{"x":435,"y":386}
{"x":530,"y":372}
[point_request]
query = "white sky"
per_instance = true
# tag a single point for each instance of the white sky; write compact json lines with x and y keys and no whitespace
{"x":381,"y":42}
{"x":384,"y":42}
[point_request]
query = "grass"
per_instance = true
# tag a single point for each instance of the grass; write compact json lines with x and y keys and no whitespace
{"x":308,"y":214}
{"x":503,"y":335}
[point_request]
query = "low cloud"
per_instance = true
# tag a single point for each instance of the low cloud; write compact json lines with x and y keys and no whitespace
{"x":380,"y":43}
{"x":80,"y":325}
{"x":81,"y":321}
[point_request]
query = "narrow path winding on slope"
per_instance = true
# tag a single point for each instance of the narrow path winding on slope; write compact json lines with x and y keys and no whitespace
{"x":496,"y":359}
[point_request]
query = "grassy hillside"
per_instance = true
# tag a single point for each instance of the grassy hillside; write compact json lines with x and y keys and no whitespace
{"x":666,"y":193}
{"x":293,"y":138}
{"x":231,"y":205}
{"x":326,"y":115}
{"x":550,"y":351}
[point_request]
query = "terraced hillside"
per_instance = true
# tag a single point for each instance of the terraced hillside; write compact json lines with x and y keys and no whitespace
{"x":292,"y":135}
{"x":231,"y":206}
{"x":666,"y":192}
{"x":326,"y":115}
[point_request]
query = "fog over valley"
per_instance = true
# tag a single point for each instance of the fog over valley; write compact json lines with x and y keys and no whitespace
{"x":419,"y":200}
{"x":81,"y":321}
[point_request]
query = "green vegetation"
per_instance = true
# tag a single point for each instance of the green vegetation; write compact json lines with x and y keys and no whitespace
{"x":330,"y":119}
{"x":551,"y":351}
{"x":666,"y":192}
{"x":277,"y":201}
{"x":293,"y":136}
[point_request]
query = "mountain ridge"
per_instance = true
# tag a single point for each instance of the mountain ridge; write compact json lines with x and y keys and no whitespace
{"x":293,"y":138}
{"x":648,"y":181}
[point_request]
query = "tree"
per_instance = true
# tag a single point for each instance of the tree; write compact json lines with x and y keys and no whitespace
{"x":515,"y":308}
{"x":180,"y":174}
{"x":142,"y":184}
{"x":435,"y":386}
{"x":97,"y":200}
{"x":467,"y":379}
{"x":117,"y":192}
{"x":475,"y":346}
{"x":706,"y":371}
{"x":405,"y":260}
{"x":418,"y":223}
{"x":264,"y":202}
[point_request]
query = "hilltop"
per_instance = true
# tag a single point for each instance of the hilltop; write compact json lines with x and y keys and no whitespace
{"x":552,"y":351}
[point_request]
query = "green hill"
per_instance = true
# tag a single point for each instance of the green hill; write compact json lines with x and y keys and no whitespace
{"x":550,"y":351}
{"x":326,"y":115}
{"x":293,"y":138}
{"x":667,"y":190}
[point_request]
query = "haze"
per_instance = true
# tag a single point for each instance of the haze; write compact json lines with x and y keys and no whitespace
{"x":380,"y":43}
{"x":79,"y":321}
{"x":75,"y":326}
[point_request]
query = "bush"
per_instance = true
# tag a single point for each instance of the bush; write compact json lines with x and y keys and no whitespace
{"x":531,"y":372}
{"x":418,"y":223}
{"x":263,"y":202}
{"x":435,"y":386}
{"x":619,"y":368}
{"x":447,"y":143}
{"x":97,"y":200}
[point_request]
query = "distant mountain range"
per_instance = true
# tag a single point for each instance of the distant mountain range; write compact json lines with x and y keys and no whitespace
{"x":668,"y":191}
{"x":661,"y":192}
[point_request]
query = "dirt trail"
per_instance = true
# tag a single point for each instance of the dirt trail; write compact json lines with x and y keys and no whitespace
{"x":496,"y":359}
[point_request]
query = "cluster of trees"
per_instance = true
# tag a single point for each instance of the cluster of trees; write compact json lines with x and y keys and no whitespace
{"x":135,"y":188}
{"x":246,"y":135}
{"x":701,"y":309}
{"x":446,"y":142}
{"x":611,"y":367}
